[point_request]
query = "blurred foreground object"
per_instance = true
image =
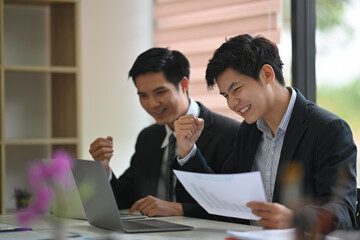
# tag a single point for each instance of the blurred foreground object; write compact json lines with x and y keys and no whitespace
{"x":44,"y":178}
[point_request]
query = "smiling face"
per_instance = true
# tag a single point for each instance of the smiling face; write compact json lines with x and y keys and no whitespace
{"x":244,"y":95}
{"x":161,"y":99}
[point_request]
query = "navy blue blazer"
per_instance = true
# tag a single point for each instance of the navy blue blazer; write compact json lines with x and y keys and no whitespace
{"x":141,"y":178}
{"x":321,"y":142}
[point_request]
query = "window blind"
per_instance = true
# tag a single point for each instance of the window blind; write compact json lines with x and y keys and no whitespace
{"x":198,"y":27}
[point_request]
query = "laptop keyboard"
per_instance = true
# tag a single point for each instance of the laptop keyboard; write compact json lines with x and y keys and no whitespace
{"x":128,"y":224}
{"x":125,"y":216}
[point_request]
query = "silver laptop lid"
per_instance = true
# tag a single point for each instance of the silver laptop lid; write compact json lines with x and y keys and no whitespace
{"x":96,"y":195}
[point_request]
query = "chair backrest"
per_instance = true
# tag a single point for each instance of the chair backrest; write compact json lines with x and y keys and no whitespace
{"x":357,"y":209}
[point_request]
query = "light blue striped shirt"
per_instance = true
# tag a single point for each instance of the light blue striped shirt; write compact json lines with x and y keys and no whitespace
{"x":269,"y":149}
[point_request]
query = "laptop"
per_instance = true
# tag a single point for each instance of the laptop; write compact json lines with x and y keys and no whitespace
{"x":70,"y":197}
{"x":100,"y":206}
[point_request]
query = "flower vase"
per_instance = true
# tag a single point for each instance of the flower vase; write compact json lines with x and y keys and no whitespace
{"x":58,"y":231}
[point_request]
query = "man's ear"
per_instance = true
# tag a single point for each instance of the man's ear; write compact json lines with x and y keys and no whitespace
{"x":267,"y":73}
{"x":184,"y":84}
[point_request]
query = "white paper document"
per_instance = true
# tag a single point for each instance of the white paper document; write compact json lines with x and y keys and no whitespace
{"x":224,"y":194}
{"x":283,"y":234}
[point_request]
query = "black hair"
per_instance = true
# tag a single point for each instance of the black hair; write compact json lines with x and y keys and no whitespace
{"x":246,"y":55}
{"x":172,"y":63}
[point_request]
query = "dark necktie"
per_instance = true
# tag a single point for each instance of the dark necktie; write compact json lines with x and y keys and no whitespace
{"x":169,"y":178}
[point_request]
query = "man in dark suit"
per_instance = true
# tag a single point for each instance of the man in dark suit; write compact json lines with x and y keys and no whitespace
{"x":161,"y":77}
{"x":281,"y":129}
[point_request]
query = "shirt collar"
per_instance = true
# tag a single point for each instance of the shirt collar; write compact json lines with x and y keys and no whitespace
{"x":193,"y":109}
{"x":262,"y":125}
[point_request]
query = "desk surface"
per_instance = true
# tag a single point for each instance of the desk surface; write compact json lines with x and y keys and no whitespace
{"x":203,"y":229}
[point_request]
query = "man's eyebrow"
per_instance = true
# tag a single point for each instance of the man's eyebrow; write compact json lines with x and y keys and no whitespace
{"x":230,"y":87}
{"x":159,"y":88}
{"x":154,"y":90}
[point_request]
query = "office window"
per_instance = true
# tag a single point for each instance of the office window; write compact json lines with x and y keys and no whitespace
{"x":198,"y":27}
{"x":337,"y":60}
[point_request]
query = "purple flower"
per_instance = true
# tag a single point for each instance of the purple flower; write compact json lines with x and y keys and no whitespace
{"x":42,"y":178}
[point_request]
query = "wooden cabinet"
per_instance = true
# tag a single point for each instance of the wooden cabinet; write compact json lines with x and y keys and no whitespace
{"x":39,"y":78}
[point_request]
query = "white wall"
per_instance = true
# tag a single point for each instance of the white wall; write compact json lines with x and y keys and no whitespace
{"x":112,"y":34}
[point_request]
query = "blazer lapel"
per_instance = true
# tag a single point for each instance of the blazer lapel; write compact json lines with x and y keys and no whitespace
{"x":294,"y":132}
{"x":206,"y":134}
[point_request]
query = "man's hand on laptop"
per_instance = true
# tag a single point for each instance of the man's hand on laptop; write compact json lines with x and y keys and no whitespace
{"x":152,"y":206}
{"x":102,"y":150}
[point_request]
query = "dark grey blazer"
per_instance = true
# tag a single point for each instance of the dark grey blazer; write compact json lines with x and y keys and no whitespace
{"x":321,"y":142}
{"x":141,"y":178}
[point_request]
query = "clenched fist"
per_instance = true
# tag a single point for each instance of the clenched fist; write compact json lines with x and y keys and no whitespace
{"x":187,"y":129}
{"x":102,"y":150}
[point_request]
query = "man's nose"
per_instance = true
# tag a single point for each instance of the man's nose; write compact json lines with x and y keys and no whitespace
{"x":154,"y":102}
{"x":232,"y":102}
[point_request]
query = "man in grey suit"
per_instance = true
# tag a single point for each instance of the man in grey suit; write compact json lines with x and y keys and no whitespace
{"x":161,"y":77}
{"x":281,"y":129}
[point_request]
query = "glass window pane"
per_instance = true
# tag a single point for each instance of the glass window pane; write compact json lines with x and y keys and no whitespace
{"x":337,"y":63}
{"x":285,"y":44}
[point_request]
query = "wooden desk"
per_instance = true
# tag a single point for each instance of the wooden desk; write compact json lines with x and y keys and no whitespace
{"x":203,"y":229}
